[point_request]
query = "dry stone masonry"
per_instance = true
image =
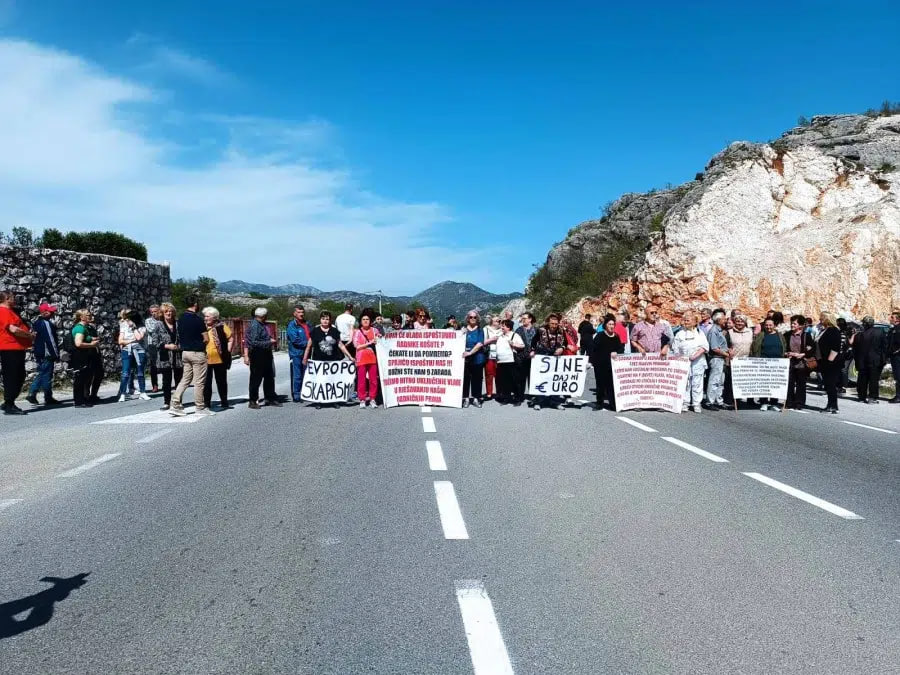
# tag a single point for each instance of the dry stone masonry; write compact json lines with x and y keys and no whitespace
{"x":101,"y":283}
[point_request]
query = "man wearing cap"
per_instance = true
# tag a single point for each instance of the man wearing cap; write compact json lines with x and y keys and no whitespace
{"x":46,"y":353}
{"x":15,"y":338}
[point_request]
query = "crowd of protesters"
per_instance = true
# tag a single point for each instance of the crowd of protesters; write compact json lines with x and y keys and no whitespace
{"x":196,"y":348}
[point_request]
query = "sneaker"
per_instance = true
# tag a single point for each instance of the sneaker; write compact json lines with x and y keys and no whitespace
{"x":477,"y":402}
{"x":32,"y":399}
{"x":696,"y":408}
{"x":177,"y":412}
{"x":372,"y":404}
{"x":144,"y":397}
{"x":362,"y":404}
{"x":122,"y":398}
{"x":536,"y":406}
{"x":203,"y":411}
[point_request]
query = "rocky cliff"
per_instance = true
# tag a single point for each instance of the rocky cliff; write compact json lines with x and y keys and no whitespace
{"x":808,"y":222}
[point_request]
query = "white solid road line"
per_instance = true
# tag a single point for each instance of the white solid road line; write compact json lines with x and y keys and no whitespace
{"x":153,"y":437}
{"x":435,"y":456}
{"x":451,"y":517}
{"x":805,"y":496}
{"x":866,"y":426}
{"x":6,"y":503}
{"x":695,"y":450}
{"x":638,"y":425}
{"x":425,"y":409}
{"x":428,"y":425}
{"x":90,"y":465}
{"x":486,"y":646}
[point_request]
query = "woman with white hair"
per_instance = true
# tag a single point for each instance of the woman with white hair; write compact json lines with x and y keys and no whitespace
{"x":258,"y":345}
{"x":218,"y":356}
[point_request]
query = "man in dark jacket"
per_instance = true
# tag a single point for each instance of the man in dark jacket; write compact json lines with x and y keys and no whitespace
{"x":868,"y":350}
{"x":586,"y":333}
{"x":46,"y":353}
{"x":893,"y":353}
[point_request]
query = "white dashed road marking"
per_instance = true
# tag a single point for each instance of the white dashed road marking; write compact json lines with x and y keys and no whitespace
{"x":6,"y":503}
{"x":448,"y":507}
{"x":426,"y":409}
{"x":435,"y":456}
{"x":695,"y":450}
{"x":486,"y":646}
{"x":89,"y":465}
{"x":153,"y":437}
{"x":866,"y":426}
{"x":153,"y":417}
{"x":637,"y":425}
{"x":805,"y":496}
{"x":428,"y":425}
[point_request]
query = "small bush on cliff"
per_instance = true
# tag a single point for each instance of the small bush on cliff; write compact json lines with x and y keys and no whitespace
{"x":887,"y":109}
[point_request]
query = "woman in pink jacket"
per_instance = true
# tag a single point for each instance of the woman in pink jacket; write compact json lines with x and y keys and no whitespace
{"x":364,"y":339}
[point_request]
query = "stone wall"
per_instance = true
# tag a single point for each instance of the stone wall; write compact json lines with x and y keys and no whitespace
{"x":101,"y":283}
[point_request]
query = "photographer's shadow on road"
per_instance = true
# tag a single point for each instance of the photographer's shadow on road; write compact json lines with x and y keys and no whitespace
{"x":39,"y":605}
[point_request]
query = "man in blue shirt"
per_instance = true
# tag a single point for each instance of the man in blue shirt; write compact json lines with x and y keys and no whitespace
{"x":297,"y":339}
{"x":192,"y":337}
{"x":46,"y":353}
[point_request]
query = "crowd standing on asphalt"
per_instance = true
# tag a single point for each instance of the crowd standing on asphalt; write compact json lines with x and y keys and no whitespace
{"x":196,"y":348}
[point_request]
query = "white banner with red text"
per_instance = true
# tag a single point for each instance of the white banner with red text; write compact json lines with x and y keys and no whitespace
{"x":328,"y":381}
{"x":421,"y":367}
{"x":649,"y":381}
{"x":557,"y":375}
{"x":760,"y":378}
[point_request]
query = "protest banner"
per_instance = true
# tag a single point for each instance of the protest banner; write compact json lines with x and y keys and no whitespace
{"x":421,"y":367}
{"x":760,"y":378}
{"x":649,"y":381}
{"x":557,"y":375}
{"x":328,"y":381}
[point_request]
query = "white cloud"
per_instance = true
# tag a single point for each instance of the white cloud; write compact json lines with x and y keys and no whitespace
{"x":259,"y":207}
{"x":164,"y":59}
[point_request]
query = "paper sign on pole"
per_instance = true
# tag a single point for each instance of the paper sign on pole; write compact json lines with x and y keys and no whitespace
{"x":557,"y":375}
{"x":421,"y":367}
{"x":760,"y":378}
{"x":649,"y":381}
{"x":328,"y":381}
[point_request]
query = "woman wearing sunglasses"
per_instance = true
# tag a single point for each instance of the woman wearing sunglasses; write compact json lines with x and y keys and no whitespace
{"x":473,"y":371}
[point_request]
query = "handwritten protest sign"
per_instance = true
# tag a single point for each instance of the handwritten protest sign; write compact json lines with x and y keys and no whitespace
{"x":760,"y":378}
{"x":557,"y":375}
{"x":421,"y":367}
{"x":328,"y":381}
{"x":649,"y":381}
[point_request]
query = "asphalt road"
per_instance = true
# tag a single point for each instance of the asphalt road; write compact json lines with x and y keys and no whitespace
{"x":295,"y":540}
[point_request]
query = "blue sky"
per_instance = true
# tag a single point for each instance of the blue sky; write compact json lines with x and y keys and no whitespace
{"x":294,"y":141}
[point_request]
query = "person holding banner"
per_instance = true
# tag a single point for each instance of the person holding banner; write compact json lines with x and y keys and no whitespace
{"x":647,"y":335}
{"x":509,"y":344}
{"x":549,"y":340}
{"x":297,"y":339}
{"x":769,"y":344}
{"x":325,"y":343}
{"x":605,"y":343}
{"x":473,"y":372}
{"x":364,"y":339}
{"x":527,"y":332}
{"x":492,"y":332}
{"x":690,"y":342}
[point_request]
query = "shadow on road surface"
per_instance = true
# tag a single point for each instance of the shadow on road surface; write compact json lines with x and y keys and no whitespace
{"x":40,"y":605}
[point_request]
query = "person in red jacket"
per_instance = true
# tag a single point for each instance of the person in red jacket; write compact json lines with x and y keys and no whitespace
{"x":15,"y":339}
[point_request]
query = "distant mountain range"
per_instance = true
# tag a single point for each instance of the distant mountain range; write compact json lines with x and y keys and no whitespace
{"x":443,"y":299}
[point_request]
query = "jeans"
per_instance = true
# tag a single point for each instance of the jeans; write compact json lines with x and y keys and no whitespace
{"x":12,"y":362}
{"x":296,"y":376}
{"x":367,"y":372}
{"x":220,"y":373}
{"x":140,"y":358}
{"x":43,"y":380}
{"x":262,"y":370}
{"x":194,"y":373}
{"x":716,"y":381}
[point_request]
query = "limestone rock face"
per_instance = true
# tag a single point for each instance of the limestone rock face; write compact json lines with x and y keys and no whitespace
{"x":810,"y":222}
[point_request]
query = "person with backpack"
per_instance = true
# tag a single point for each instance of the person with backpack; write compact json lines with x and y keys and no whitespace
{"x":46,"y":354}
{"x":364,"y":339}
{"x":218,"y":356}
